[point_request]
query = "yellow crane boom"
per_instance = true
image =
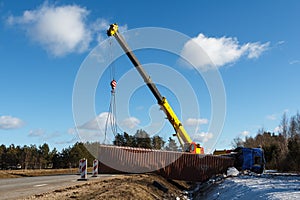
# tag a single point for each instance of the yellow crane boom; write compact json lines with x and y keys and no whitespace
{"x":184,"y":139}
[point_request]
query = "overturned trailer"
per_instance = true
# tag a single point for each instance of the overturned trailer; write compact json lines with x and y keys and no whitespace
{"x":169,"y":164}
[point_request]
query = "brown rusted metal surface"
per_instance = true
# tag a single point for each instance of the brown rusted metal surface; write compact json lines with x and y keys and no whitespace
{"x":172,"y":165}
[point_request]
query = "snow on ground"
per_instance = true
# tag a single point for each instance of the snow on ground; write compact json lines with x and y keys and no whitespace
{"x":266,"y":186}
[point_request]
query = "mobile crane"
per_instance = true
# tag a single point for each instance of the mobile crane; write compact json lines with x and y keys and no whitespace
{"x":184,"y":139}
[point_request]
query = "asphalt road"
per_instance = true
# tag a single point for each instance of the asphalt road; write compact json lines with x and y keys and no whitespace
{"x":16,"y":188}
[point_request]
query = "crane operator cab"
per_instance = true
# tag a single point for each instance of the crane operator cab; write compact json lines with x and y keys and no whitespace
{"x":195,"y":148}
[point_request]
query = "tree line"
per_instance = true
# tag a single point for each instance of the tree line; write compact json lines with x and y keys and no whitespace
{"x":33,"y":157}
{"x":282,"y":150}
{"x":41,"y":157}
{"x":141,"y":139}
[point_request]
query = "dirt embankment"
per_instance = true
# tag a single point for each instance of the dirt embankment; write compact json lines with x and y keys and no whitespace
{"x":138,"y":186}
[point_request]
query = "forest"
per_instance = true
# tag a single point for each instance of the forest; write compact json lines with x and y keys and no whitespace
{"x":41,"y":157}
{"x":282,"y":149}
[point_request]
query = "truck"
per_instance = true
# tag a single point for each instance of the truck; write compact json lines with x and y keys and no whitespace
{"x":184,"y":139}
{"x":251,"y":159}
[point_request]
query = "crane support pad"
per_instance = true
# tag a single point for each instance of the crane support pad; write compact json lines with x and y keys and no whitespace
{"x":169,"y":164}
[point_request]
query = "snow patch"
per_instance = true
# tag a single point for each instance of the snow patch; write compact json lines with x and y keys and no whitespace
{"x":232,"y":171}
{"x":266,"y":186}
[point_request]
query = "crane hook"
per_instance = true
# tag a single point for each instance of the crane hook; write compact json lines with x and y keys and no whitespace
{"x":113,"y":85}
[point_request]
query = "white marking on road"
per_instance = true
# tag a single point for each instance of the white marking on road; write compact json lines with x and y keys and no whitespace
{"x":41,"y":185}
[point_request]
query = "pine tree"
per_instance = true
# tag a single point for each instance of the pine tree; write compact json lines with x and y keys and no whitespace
{"x":172,"y":146}
{"x":119,"y":140}
{"x":157,"y":142}
{"x":143,"y":139}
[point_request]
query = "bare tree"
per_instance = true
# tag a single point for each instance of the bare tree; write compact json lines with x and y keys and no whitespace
{"x":293,"y":127}
{"x":284,"y":125}
{"x":237,"y":142}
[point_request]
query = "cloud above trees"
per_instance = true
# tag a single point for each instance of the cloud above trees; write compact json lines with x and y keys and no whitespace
{"x":209,"y":52}
{"x":9,"y":122}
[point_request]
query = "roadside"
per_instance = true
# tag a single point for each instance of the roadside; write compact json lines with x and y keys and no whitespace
{"x":137,"y":186}
{"x":151,"y":186}
{"x":129,"y":186}
{"x":35,"y":172}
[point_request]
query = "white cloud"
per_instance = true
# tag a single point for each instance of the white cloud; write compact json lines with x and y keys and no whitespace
{"x":294,"y":62}
{"x":90,"y":135}
{"x":98,"y":27}
{"x":97,"y":123}
{"x":281,"y":42}
{"x":36,"y":133}
{"x":195,"y":121}
{"x":220,"y":51}
{"x":130,"y":122}
{"x":272,"y":117}
{"x":71,"y":141}
{"x":59,"y":29}
{"x":202,"y":137}
{"x":71,"y":131}
{"x":245,"y":133}
{"x":254,"y":50}
{"x":277,"y":129}
{"x":94,"y":130}
{"x":123,"y":28}
{"x":139,"y":108}
{"x":9,"y":122}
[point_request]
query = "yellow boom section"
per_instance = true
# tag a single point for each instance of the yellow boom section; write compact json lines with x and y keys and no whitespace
{"x":181,"y":133}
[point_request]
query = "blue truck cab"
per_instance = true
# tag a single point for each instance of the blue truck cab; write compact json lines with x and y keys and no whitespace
{"x":252,"y":159}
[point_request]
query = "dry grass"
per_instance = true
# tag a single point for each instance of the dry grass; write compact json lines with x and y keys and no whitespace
{"x":35,"y":172}
{"x":120,"y":187}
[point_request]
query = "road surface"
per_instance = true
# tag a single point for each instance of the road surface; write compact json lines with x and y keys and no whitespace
{"x":16,"y":188}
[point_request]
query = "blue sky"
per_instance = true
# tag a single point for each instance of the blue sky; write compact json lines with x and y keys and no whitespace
{"x":254,"y":44}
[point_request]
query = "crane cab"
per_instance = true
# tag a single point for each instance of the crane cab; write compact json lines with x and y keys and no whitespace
{"x":195,"y":148}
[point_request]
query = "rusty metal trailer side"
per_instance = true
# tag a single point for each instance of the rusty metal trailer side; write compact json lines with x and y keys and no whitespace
{"x":169,"y":164}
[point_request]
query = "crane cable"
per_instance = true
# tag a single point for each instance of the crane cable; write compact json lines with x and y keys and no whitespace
{"x":111,"y":119}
